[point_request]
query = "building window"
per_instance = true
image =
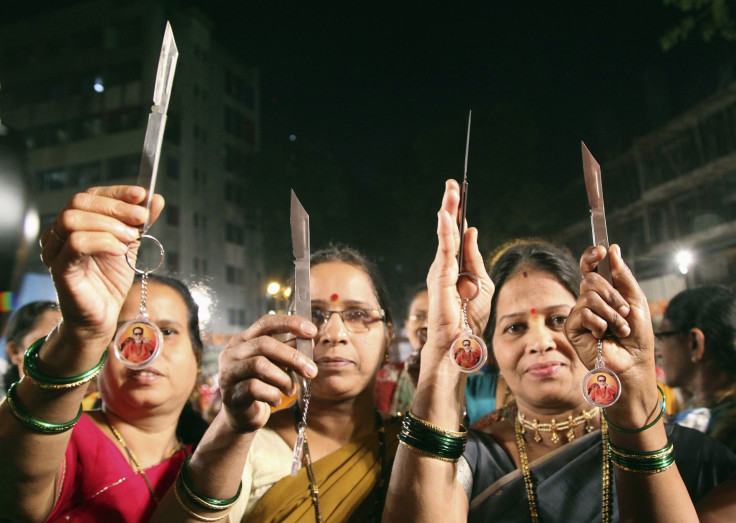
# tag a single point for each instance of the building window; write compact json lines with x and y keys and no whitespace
{"x":172,"y":260}
{"x":234,"y":275}
{"x":51,"y":180}
{"x":172,"y":168}
{"x":123,"y":166}
{"x":172,"y":215}
{"x":234,"y":234}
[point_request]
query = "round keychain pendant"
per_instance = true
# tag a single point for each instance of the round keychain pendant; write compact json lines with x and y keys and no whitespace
{"x":468,"y":352}
{"x":601,"y":386}
{"x":138,"y":342}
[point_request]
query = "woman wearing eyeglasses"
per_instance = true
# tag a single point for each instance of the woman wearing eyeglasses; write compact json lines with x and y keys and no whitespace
{"x":349,"y":450}
{"x":697,"y":348}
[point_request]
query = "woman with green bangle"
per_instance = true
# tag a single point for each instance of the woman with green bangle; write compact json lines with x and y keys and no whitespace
{"x":552,"y":462}
{"x":119,"y":463}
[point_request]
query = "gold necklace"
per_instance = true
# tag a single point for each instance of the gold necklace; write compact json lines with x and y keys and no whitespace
{"x":529,"y":484}
{"x":553,"y":426}
{"x":134,"y":459}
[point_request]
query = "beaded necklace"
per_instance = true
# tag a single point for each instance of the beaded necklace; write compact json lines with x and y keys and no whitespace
{"x":134,"y":459}
{"x":529,"y":483}
{"x":378,"y":488}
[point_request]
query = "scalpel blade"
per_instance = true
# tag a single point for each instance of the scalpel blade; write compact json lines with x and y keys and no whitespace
{"x":157,"y":119}
{"x":463,"y":201}
{"x":594,"y":186}
{"x":300,"y":245}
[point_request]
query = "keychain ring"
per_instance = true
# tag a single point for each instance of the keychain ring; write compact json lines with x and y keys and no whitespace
{"x":477,"y":282}
{"x":160,"y":261}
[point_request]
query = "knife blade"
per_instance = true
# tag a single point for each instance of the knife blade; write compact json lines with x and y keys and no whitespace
{"x":300,"y":244}
{"x":157,"y":119}
{"x":594,"y":186}
{"x":463,"y":201}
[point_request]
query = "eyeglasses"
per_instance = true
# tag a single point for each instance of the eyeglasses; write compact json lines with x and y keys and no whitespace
{"x":355,"y":320}
{"x":421,"y":317}
{"x":665,"y":334}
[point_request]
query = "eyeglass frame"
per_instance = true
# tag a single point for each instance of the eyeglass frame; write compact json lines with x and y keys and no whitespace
{"x":666,"y":334}
{"x":329,"y":313}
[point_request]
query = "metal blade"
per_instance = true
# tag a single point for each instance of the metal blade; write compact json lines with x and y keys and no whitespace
{"x":463,"y":201}
{"x":594,"y":186}
{"x":300,"y":245}
{"x":157,"y":119}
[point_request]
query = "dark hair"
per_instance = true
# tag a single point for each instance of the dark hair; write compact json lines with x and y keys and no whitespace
{"x":21,"y":323}
{"x":345,"y":254}
{"x":192,"y":310}
{"x":412,"y":293}
{"x":531,"y":254}
{"x":712,"y":309}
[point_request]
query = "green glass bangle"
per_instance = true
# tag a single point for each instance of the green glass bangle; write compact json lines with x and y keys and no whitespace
{"x":33,"y":424}
{"x":433,"y":441}
{"x":204,"y":501}
{"x":662,"y":407}
{"x":30,"y":368}
{"x":650,"y":462}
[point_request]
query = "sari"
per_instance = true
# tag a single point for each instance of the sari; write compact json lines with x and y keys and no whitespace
{"x":98,"y":483}
{"x":568,"y":481}
{"x":346,"y":480}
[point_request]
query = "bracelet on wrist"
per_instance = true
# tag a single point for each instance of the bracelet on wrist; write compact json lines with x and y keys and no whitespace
{"x":432,"y":441}
{"x":178,"y":493}
{"x":41,"y":427}
{"x":45,"y":381}
{"x":204,"y":501}
{"x":662,"y":407}
{"x":650,"y":462}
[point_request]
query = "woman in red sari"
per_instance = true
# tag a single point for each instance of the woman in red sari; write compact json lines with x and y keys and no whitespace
{"x":116,"y":464}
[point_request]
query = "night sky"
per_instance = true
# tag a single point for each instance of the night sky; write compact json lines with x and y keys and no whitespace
{"x":377,"y":94}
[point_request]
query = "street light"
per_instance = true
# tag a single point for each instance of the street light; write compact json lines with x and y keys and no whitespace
{"x":684,"y":260}
{"x":273,"y":288}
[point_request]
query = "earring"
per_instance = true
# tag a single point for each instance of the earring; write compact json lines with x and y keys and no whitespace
{"x":385,"y":357}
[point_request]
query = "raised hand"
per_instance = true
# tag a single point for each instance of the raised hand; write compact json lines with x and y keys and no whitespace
{"x":620,"y":310}
{"x":85,"y":247}
{"x":254,"y":369}
{"x":445,"y":290}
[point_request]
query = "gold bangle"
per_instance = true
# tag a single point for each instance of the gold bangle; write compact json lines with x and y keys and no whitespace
{"x":193,"y":514}
{"x":655,"y":471}
{"x":463,"y":431}
{"x":428,"y":454}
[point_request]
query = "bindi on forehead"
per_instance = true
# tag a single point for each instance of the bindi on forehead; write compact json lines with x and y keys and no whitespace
{"x":533,"y":311}
{"x":524,"y":274}
{"x":334,"y":297}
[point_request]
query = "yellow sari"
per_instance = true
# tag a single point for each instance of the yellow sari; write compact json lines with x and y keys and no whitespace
{"x":345,"y":479}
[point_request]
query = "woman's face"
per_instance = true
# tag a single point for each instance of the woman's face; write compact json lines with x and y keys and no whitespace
{"x":529,"y":342}
{"x":41,"y":327}
{"x":417,"y":319}
{"x":674,"y":354}
{"x":165,"y":384}
{"x":347,"y":361}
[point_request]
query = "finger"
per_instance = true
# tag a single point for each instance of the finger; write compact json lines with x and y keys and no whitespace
{"x":271,"y":324}
{"x":473,"y":255}
{"x":279,"y":353}
{"x":74,"y":220}
{"x":243,"y":394}
{"x":81,"y":244}
{"x":601,"y":308}
{"x":262,"y":369}
{"x":128,"y":213}
{"x":593,"y":282}
{"x":126,"y":193}
{"x":590,"y":258}
{"x":623,"y":279}
{"x":589,"y":321}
